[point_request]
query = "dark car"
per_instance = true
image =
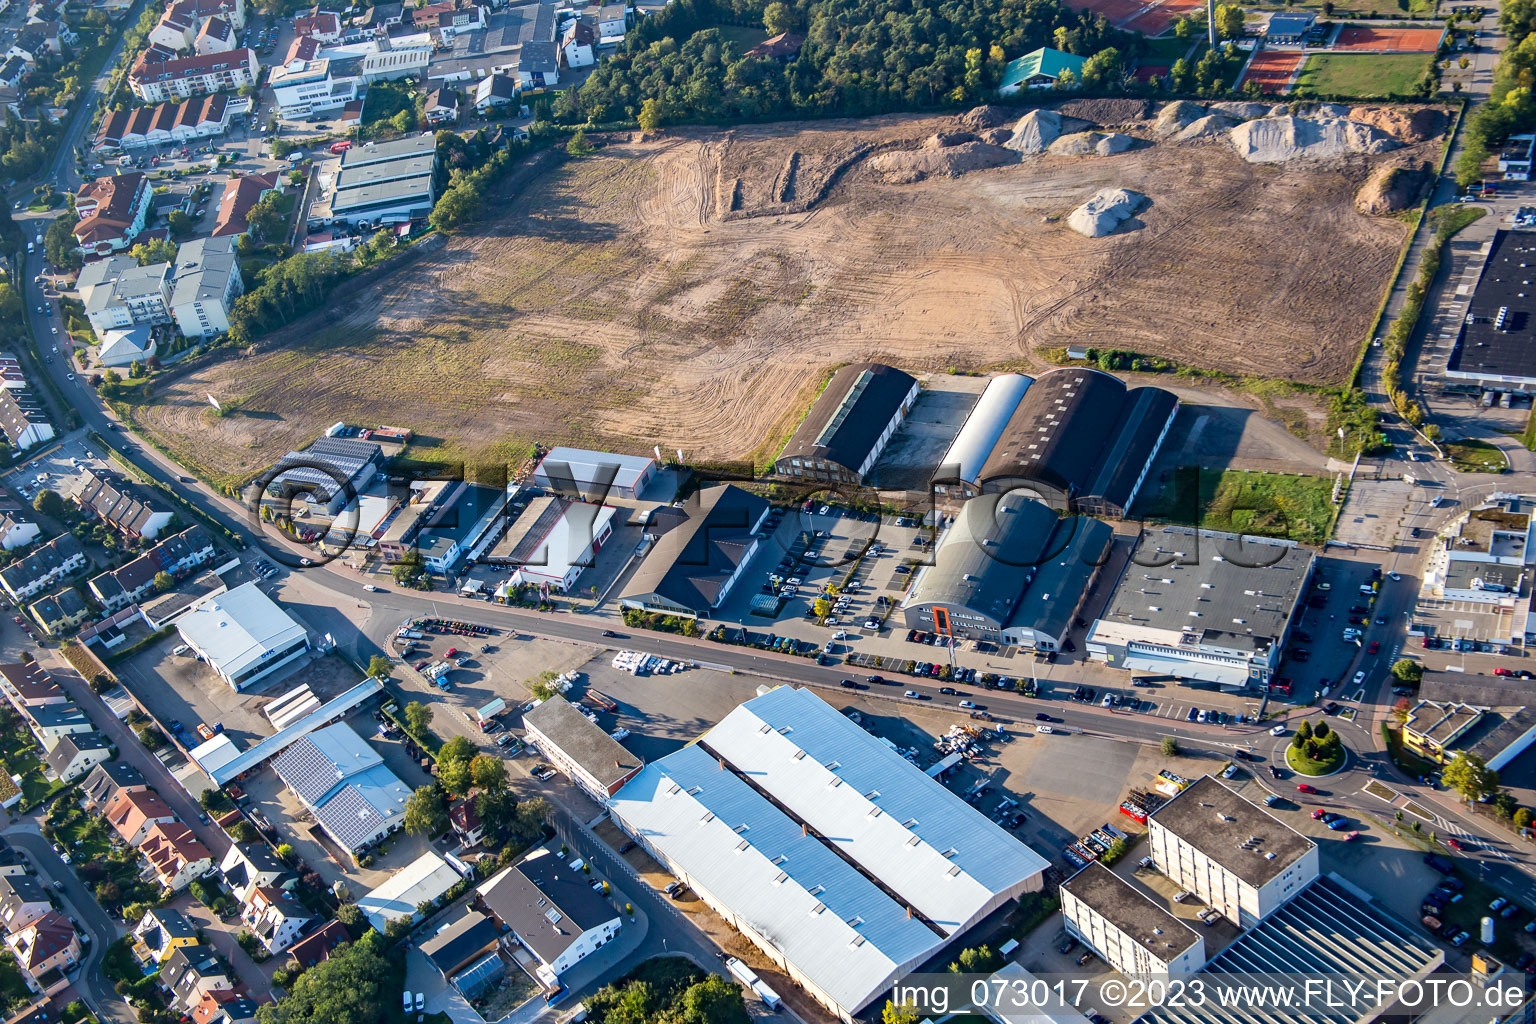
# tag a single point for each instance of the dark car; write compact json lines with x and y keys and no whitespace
{"x":629,"y":844}
{"x":1440,"y":862}
{"x":1331,"y":708}
{"x":1067,"y":946}
{"x":1042,"y":717}
{"x":948,"y":690}
{"x":849,"y":684}
{"x":877,"y":680}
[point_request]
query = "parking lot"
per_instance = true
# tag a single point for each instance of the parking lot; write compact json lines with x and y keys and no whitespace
{"x":59,"y":470}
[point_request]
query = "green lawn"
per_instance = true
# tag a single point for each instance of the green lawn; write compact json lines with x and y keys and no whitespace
{"x":1304,"y":765}
{"x":744,"y":36}
{"x":1473,"y":456}
{"x":1298,"y":508}
{"x":19,"y":754}
{"x":1165,"y":50}
{"x":1361,"y":75}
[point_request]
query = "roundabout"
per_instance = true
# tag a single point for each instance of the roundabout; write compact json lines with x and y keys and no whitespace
{"x":1321,"y":762}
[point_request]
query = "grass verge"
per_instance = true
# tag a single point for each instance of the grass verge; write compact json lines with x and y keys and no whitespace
{"x":1293,"y":507}
{"x":1473,"y":456}
{"x":1301,"y":764}
{"x":1363,"y":75}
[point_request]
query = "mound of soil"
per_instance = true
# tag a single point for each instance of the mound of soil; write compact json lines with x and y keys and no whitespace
{"x":1405,"y":124}
{"x":1392,"y":188}
{"x":1092,"y":144}
{"x":1205,"y":127}
{"x":1278,"y":139}
{"x":940,"y":140}
{"x":1175,"y":117}
{"x":904,"y":167}
{"x":996,"y":136}
{"x":983,"y":117}
{"x":1106,"y":211}
{"x":1247,"y":111}
{"x":1035,"y":131}
{"x":1105,"y":111}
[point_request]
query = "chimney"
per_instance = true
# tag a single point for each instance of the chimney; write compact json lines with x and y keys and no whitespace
{"x":909,"y":913}
{"x":805,"y":830}
{"x":721,"y":762}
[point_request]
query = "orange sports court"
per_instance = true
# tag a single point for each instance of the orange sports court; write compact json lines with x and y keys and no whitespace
{"x":1273,"y":70}
{"x":1386,"y":39}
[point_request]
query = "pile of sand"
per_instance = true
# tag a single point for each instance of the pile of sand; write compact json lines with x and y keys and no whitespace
{"x":1106,"y":211}
{"x":1277,"y":139}
{"x":1392,"y":188}
{"x":1105,"y":111}
{"x":1175,"y":116}
{"x":1205,"y":127}
{"x":939,"y":140}
{"x":1035,"y":131}
{"x":903,"y":167}
{"x":1245,"y":111}
{"x":1092,"y":144}
{"x":983,"y":117}
{"x":1405,"y":124}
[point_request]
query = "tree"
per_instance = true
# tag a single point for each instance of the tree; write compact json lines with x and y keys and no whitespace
{"x":456,"y":749}
{"x":426,"y":812}
{"x":976,"y":960}
{"x":650,"y":111}
{"x":418,"y":717}
{"x":906,"y":1013}
{"x":1170,"y":747}
{"x":1523,"y":817}
{"x":1469,"y":776}
{"x":531,"y":815}
{"x":488,"y":773}
{"x":1322,"y":729}
{"x":243,"y":832}
{"x":777,"y":18}
{"x":411,"y":569}
{"x":1229,"y":22}
{"x":349,"y":988}
{"x":455,"y":776}
{"x":48,"y":503}
{"x":351,"y":915}
{"x":10,"y":304}
{"x":1406,"y":670}
{"x":498,"y":813}
{"x":820,"y":607}
{"x":1304,"y":730}
{"x":164,"y":581}
{"x":59,"y":242}
{"x":578,"y":146}
{"x":1401,"y":709}
{"x":156,"y":250}
{"x":1104,"y":69}
{"x":181,"y":224}
{"x":379,"y":668}
{"x":152,"y":738}
{"x":267,"y":218}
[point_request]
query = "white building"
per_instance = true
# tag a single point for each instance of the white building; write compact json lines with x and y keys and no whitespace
{"x":1126,"y":929}
{"x":204,"y":285}
{"x":588,"y":756}
{"x":304,"y":87}
{"x":594,"y":476}
{"x":124,"y":346}
{"x":16,"y":531}
{"x":243,"y":635}
{"x":408,"y":61}
{"x":1236,"y":856}
{"x":549,"y":907}
{"x":1486,"y":556}
{"x":118,"y":293}
{"x":789,"y":858}
{"x":156,"y":77}
{"x":554,"y":540}
{"x":423,"y":880}
{"x":377,"y":183}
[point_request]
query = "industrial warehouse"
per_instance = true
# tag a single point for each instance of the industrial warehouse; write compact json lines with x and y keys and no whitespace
{"x":841,"y":438}
{"x":845,"y":863}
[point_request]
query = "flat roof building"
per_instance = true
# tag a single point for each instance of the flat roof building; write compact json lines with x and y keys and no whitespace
{"x":1495,"y":345}
{"x":331,"y":472}
{"x":849,"y":425}
{"x":842,"y":861}
{"x":1433,"y":727}
{"x":1202,"y":605}
{"x":1010,"y":570}
{"x":1233,"y":854}
{"x":243,"y":635}
{"x":1080,"y":440}
{"x":593,"y":476}
{"x":1127,"y":930}
{"x":595,"y":761}
{"x":550,"y":908}
{"x":691,"y":568}
{"x":423,"y":880}
{"x":555,"y":540}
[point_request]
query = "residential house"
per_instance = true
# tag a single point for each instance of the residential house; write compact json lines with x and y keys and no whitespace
{"x":59,"y":559}
{"x":466,"y":822}
{"x":176,"y":29}
{"x":22,"y":901}
{"x":549,"y":908}
{"x":1040,"y":69}
{"x":112,"y":210}
{"x":317,"y":946}
{"x":118,"y":293}
{"x":275,"y":916}
{"x":538,"y":65}
{"x":612,"y":21}
{"x":216,"y":36}
{"x":224,"y":1006}
{"x":44,"y":950}
{"x":77,"y":754}
{"x":29,"y":46}
{"x":177,"y":556}
{"x":52,"y":723}
{"x":191,"y":972}
{"x":578,"y":46}
{"x":241,"y":196}
{"x":124,"y":346}
{"x":165,"y":123}
{"x":324,"y":26}
{"x":176,"y":855}
{"x":494,"y":91}
{"x":23,"y":419}
{"x":27,"y":684}
{"x":106,"y":781}
{"x":16,"y":530}
{"x":782,"y":47}
{"x":204,"y":286}
{"x":442,"y":106}
{"x":250,"y":866}
{"x":161,"y":932}
{"x":159,"y":75}
{"x":107,"y":498}
{"x":133,"y":812}
{"x":60,"y":612}
{"x":14,"y":71}
{"x":12,"y":863}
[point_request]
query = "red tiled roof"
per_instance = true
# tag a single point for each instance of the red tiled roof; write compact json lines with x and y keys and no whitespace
{"x":317,"y":946}
{"x":322,"y":24}
{"x":109,"y":207}
{"x":154,"y":66}
{"x":240,"y":195}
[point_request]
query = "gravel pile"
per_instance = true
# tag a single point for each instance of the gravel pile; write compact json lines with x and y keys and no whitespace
{"x":1105,"y":212}
{"x":1035,"y":131}
{"x":1278,"y":139}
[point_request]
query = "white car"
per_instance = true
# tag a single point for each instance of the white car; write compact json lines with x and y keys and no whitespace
{"x":1359,"y":678}
{"x":1044,"y":729}
{"x":824,"y":510}
{"x":369,"y":587}
{"x":1278,"y":730}
{"x":421,"y":1001}
{"x":55,"y":330}
{"x":1393,"y":576}
{"x":871,"y":623}
{"x":405,"y":1000}
{"x":913,"y":694}
{"x":840,"y":635}
{"x":968,"y":705}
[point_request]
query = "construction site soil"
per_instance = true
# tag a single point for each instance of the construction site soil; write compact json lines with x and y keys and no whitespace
{"x":692,"y":290}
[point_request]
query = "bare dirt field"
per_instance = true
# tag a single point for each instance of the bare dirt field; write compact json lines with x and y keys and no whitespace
{"x":693,"y":290}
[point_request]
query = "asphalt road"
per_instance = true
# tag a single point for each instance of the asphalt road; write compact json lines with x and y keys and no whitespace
{"x":91,"y":983}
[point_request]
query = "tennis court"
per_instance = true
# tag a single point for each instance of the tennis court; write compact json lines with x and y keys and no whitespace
{"x":1145,"y":72}
{"x":1273,"y":70}
{"x":1156,"y":20}
{"x":1119,"y":12}
{"x":1387,"y":39}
